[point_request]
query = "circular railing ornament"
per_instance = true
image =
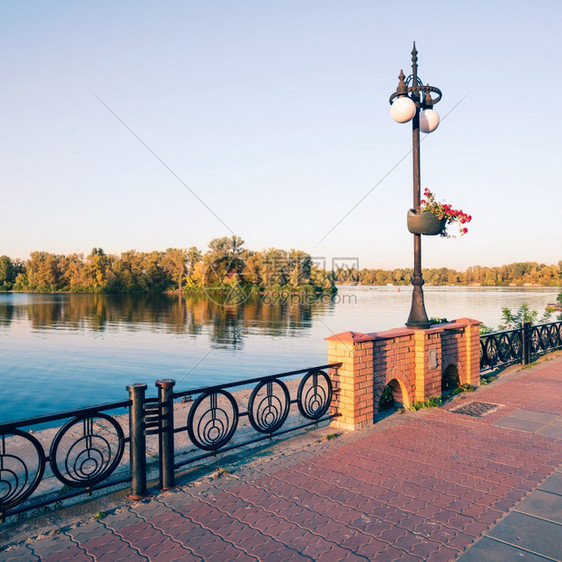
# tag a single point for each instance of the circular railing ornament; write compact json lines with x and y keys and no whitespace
{"x":544,"y":336}
{"x":314,"y":395}
{"x":535,"y":340}
{"x":491,"y":351}
{"x":516,"y":345}
{"x":553,"y":334}
{"x":212,"y":420}
{"x":86,"y":450}
{"x":267,"y":411}
{"x":18,"y":477}
{"x":504,"y":348}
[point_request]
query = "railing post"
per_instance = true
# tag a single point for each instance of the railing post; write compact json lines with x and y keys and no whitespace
{"x":166,"y":434}
{"x":526,"y":341}
{"x":137,"y":443}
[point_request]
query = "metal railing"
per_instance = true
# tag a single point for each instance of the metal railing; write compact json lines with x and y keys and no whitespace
{"x":82,"y":455}
{"x":521,"y":345}
{"x":88,"y":451}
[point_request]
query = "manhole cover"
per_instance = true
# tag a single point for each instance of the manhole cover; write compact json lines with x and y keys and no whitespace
{"x":476,"y":409}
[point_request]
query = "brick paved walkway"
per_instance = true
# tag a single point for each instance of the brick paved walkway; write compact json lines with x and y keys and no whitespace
{"x":421,"y":486}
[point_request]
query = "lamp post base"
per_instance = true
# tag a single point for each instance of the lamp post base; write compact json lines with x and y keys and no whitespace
{"x":418,"y":315}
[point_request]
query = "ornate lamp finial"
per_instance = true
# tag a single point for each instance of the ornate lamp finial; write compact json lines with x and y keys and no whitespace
{"x":428,"y":102}
{"x":402,"y":89}
{"x":415,"y":68}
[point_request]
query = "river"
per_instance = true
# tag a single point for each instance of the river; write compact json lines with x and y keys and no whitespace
{"x":63,"y":351}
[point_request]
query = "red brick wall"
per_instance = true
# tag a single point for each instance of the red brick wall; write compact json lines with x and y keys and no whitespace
{"x":415,"y":359}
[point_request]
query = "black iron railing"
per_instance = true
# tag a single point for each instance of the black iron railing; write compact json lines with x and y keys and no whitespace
{"x":218,"y":421}
{"x":521,"y":345}
{"x":83,"y":456}
{"x":88,"y":451}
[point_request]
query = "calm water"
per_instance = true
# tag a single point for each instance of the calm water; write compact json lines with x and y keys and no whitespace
{"x":63,"y":351}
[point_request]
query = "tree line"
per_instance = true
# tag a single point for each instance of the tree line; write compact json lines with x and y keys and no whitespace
{"x":225,"y":265}
{"x":514,"y":274}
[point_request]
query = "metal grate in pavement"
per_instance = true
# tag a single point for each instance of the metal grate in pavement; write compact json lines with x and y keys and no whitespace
{"x":476,"y":409}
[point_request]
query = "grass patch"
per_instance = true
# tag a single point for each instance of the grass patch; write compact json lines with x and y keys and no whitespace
{"x":222,"y":471}
{"x":463,"y":388}
{"x":100,"y":515}
{"x":433,"y":402}
{"x":331,"y":436}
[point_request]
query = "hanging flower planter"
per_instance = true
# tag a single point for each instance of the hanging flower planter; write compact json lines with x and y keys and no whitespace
{"x":433,"y":217}
{"x":425,"y":223}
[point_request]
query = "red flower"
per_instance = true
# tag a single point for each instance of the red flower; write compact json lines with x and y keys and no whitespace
{"x":444,"y":211}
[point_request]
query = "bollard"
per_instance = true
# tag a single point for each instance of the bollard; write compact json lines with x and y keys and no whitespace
{"x":166,"y":435}
{"x":526,"y":341}
{"x":137,"y":444}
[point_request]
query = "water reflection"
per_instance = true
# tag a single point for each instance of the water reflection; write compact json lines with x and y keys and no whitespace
{"x":192,"y":315}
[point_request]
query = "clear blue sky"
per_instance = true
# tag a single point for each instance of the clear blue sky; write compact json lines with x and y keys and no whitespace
{"x":275,"y":113}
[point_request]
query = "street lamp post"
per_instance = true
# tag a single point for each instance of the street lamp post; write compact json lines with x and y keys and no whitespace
{"x":412,"y":101}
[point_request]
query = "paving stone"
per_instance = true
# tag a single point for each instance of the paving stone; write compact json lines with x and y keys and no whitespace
{"x":542,"y":504}
{"x":87,"y":531}
{"x":18,"y":553}
{"x":541,"y":417}
{"x":119,"y":519}
{"x":551,"y":431}
{"x":531,"y":533}
{"x":111,"y":547}
{"x":73,"y":554}
{"x":150,"y":509}
{"x":519,"y":424}
{"x":553,"y":484}
{"x":52,"y":544}
{"x":156,"y":548}
{"x":490,"y":550}
{"x":444,"y":554}
{"x":176,"y":554}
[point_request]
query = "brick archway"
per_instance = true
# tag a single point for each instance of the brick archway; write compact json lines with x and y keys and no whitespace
{"x":401,"y":391}
{"x":450,"y":379}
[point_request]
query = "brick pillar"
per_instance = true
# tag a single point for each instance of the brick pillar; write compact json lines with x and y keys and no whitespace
{"x":472,"y":335}
{"x":428,"y":364}
{"x":353,"y":398}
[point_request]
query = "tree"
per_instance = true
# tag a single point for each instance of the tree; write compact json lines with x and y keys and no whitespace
{"x":300,"y":265}
{"x":193,"y":256}
{"x":524,"y":314}
{"x":74,"y":275}
{"x":43,"y":272}
{"x":274,"y":268}
{"x":97,"y":269}
{"x":223,"y":259}
{"x":175,"y":262}
{"x":8,"y":273}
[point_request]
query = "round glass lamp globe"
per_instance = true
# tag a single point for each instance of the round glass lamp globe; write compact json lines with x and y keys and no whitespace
{"x":429,"y":120}
{"x":402,"y":109}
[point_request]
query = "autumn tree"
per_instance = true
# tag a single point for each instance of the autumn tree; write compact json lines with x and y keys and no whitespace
{"x":43,"y":272}
{"x":174,"y":262}
{"x":223,"y":259}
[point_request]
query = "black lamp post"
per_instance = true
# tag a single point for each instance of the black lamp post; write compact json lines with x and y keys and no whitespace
{"x":412,"y":101}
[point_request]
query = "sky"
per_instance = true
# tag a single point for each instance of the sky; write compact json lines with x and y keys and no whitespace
{"x":149,"y":125}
